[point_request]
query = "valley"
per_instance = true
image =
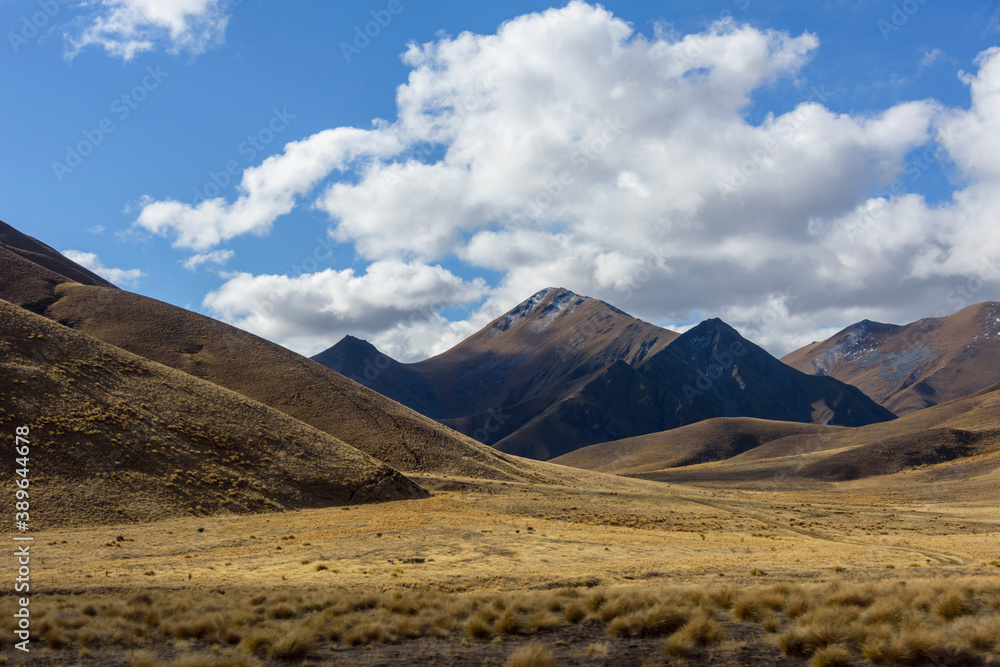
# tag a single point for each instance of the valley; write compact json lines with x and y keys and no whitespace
{"x":475,"y":543}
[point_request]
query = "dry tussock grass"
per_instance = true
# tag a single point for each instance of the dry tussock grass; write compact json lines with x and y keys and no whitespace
{"x":532,"y":655}
{"x":947,"y":622}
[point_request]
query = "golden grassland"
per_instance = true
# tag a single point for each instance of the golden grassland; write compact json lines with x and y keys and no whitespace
{"x":951,"y":621}
{"x":508,"y":573}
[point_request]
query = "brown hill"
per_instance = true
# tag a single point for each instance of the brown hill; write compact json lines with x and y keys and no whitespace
{"x":561,"y":371}
{"x":709,"y":440}
{"x":908,"y":368}
{"x":116,"y":438}
{"x":961,"y":436}
{"x":30,"y":270}
{"x":258,"y":369}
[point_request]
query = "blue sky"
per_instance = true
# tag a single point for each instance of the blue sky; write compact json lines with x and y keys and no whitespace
{"x":418,"y":226}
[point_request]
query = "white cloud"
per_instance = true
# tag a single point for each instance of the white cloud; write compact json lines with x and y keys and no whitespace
{"x":268,"y":191}
{"x":931,"y":57}
{"x":218,"y":257}
{"x":313,"y":311}
{"x":567,"y":150}
{"x":90,"y":261}
{"x":125,"y":28}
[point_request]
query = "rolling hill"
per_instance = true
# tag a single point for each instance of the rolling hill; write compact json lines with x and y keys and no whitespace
{"x":957,"y":439}
{"x":908,"y":368}
{"x":30,"y":270}
{"x":562,"y":371}
{"x":116,"y":438}
{"x":248,"y":365}
{"x":710,"y":440}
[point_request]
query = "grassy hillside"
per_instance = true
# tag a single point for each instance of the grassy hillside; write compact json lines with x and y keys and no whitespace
{"x":710,"y":440}
{"x":35,"y":276}
{"x":956,"y":442}
{"x":280,"y":378}
{"x":116,"y":438}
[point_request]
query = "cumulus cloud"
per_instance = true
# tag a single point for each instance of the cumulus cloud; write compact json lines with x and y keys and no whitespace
{"x":567,"y":149}
{"x":125,"y":28}
{"x":312,"y":311}
{"x":217,"y":257}
{"x":90,"y":261}
{"x":268,"y":191}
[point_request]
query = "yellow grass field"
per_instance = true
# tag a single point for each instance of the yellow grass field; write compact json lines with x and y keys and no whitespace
{"x":645,"y":574}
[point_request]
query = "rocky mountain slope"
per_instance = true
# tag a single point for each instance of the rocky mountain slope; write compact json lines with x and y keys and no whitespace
{"x":908,"y":368}
{"x":562,"y":371}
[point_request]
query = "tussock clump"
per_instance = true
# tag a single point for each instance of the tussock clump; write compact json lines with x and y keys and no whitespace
{"x":599,"y":650}
{"x":479,"y":627}
{"x":756,"y":605}
{"x":831,"y":656}
{"x":532,"y":655}
{"x":368,"y":633}
{"x":657,"y":621}
{"x":281,"y":611}
{"x":258,"y":643}
{"x":701,"y":631}
{"x":724,"y":597}
{"x":509,"y":623}
{"x":143,"y":659}
{"x":575,"y":613}
{"x":953,"y":605}
{"x":294,"y":645}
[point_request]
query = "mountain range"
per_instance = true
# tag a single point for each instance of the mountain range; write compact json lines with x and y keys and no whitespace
{"x":562,"y":371}
{"x":145,"y":410}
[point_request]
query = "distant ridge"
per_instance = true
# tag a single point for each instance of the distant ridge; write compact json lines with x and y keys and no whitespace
{"x":911,"y":367}
{"x":562,"y":371}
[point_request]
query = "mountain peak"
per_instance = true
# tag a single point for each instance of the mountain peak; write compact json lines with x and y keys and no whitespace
{"x":712,"y":329}
{"x":540,"y":310}
{"x":354,"y":341}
